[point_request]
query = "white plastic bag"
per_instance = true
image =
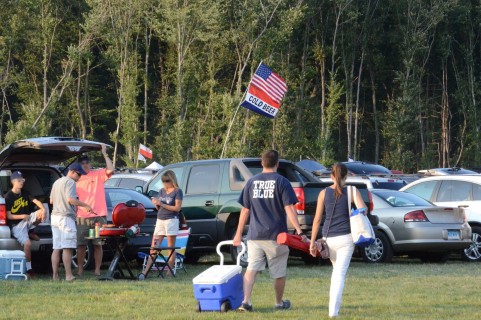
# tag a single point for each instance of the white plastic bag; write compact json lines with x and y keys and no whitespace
{"x":361,"y":228}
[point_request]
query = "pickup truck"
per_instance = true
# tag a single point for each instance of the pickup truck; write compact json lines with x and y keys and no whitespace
{"x":212,"y":188}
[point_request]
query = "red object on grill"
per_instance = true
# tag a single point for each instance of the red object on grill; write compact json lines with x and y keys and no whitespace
{"x":124,"y":216}
{"x":294,"y":241}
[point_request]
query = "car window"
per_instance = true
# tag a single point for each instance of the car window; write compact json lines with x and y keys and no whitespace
{"x":238,"y":176}
{"x":111,"y":182}
{"x":286,"y":169}
{"x":424,"y":189}
{"x":401,"y":199}
{"x":203,"y":179}
{"x":454,"y":191}
{"x":366,"y":168}
{"x":156,"y":183}
{"x":130,"y":183}
{"x":116,"y":196}
{"x":387,"y":185}
{"x":476,"y":191}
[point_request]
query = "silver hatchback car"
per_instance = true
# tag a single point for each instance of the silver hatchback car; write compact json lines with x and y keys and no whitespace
{"x":411,"y":225}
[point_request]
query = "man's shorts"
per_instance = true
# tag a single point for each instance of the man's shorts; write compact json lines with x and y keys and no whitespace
{"x":168,"y":227}
{"x":262,"y":251}
{"x":83,"y":227}
{"x":64,"y":232}
{"x":20,"y":231}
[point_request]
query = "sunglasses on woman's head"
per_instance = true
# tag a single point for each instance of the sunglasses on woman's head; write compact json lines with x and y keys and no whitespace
{"x":166,"y":180}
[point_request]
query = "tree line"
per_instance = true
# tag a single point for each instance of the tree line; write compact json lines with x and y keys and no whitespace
{"x":393,"y":82}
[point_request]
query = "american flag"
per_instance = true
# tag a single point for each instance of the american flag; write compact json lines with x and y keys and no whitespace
{"x":270,"y":83}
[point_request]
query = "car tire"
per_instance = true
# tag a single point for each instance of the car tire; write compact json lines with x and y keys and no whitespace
{"x":89,"y":258}
{"x":435,"y":257}
{"x":234,"y":251}
{"x":378,"y":252}
{"x":473,"y":252}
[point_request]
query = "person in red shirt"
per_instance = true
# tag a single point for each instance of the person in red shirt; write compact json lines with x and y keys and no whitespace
{"x":90,"y":189}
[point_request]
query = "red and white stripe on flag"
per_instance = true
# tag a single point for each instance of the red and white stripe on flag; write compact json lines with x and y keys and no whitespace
{"x":266,"y":91}
{"x":144,"y":151}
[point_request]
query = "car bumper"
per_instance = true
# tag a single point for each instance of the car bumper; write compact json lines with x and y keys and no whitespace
{"x":433,"y":237}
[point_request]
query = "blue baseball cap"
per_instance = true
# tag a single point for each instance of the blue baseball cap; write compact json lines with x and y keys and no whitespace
{"x":16,"y":175}
{"x":77,"y":167}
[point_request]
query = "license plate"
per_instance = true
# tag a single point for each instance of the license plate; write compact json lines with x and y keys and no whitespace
{"x":453,"y":235}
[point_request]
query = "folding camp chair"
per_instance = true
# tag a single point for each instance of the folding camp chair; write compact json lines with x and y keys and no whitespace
{"x":180,"y":242}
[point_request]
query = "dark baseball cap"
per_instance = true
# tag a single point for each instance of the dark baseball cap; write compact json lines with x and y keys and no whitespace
{"x":77,"y":167}
{"x":83,"y":158}
{"x":16,"y":175}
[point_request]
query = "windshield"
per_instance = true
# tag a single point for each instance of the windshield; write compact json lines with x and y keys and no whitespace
{"x":401,"y":199}
{"x":366,"y":168}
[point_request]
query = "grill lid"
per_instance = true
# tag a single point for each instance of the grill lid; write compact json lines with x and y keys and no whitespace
{"x":128,"y":214}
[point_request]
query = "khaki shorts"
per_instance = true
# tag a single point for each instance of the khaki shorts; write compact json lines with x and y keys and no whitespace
{"x":83,"y":227}
{"x":64,"y":232}
{"x":168,"y":227}
{"x":262,"y":251}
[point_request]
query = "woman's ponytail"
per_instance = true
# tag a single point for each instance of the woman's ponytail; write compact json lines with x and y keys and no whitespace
{"x":339,"y":172}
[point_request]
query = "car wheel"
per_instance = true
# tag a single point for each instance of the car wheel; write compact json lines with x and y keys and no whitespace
{"x":435,"y":257}
{"x":234,"y":251}
{"x":379,"y":251}
{"x":473,"y":252}
{"x":89,"y":258}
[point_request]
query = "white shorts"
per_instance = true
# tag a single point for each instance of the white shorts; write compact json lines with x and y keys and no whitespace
{"x":20,"y":231}
{"x":64,"y":232}
{"x":168,"y":227}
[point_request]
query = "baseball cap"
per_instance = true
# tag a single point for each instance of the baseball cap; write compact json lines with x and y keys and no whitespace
{"x":83,"y":158}
{"x":16,"y":175}
{"x":77,"y":167}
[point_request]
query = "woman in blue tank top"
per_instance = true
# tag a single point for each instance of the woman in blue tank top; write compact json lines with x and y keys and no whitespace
{"x":337,"y":231}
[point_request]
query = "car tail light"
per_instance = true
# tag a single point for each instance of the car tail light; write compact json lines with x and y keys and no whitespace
{"x":415,"y":216}
{"x":3,"y":214}
{"x":301,"y":205}
{"x":371,"y":203}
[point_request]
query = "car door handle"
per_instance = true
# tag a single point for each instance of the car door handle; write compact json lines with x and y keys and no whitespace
{"x":209,"y":203}
{"x":463,"y":206}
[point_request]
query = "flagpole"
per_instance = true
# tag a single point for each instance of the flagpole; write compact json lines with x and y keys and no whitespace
{"x":137,"y":161}
{"x":224,"y":147}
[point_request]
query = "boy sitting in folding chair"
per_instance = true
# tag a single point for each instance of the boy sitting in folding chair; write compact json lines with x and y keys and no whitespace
{"x":20,"y":217}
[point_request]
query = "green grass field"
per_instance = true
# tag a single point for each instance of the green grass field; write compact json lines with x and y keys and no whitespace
{"x":405,"y":289}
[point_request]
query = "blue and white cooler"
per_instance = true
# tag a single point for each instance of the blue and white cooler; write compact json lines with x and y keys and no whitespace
{"x":12,"y":265}
{"x":219,"y":288}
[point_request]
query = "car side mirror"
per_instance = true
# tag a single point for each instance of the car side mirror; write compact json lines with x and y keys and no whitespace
{"x":152,"y":194}
{"x":139,"y":189}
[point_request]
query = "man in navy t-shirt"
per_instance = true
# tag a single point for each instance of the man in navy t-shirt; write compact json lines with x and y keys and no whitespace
{"x":266,"y":200}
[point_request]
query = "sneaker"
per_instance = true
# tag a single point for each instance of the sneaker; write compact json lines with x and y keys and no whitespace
{"x":33,"y":236}
{"x":245,"y":307}
{"x":286,"y":305}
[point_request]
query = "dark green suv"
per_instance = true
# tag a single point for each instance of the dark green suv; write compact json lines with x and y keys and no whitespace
{"x":212,"y":188}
